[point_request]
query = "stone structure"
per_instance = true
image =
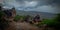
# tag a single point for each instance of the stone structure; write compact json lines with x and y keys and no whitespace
{"x":10,"y":14}
{"x":7,"y":19}
{"x":37,"y":18}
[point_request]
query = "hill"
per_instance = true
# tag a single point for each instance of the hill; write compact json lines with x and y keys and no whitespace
{"x":34,"y":13}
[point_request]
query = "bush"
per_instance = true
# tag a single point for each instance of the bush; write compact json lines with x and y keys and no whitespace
{"x":55,"y":23}
{"x":17,"y":18}
{"x":46,"y":21}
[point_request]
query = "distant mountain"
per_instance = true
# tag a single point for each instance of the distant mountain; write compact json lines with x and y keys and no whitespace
{"x":34,"y":13}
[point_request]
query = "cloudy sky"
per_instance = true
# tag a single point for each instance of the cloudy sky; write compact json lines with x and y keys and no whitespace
{"x":51,"y":6}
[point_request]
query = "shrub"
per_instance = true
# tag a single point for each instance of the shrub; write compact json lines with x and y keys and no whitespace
{"x":55,"y":23}
{"x":18,"y":17}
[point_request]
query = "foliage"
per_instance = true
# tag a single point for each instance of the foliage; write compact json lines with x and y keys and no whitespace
{"x":46,"y":21}
{"x":17,"y":18}
{"x":55,"y":22}
{"x":57,"y":25}
{"x":57,"y":17}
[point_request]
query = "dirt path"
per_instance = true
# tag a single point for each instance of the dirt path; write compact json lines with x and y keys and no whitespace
{"x":25,"y":26}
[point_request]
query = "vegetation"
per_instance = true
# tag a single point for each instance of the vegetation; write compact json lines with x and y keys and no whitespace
{"x":52,"y":23}
{"x":17,"y":18}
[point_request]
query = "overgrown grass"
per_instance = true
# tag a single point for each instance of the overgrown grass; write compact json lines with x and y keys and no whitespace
{"x":17,"y":18}
{"x":54,"y":22}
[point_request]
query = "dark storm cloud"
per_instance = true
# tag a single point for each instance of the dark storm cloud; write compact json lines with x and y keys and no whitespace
{"x":41,"y":2}
{"x":52,"y":6}
{"x":44,"y":2}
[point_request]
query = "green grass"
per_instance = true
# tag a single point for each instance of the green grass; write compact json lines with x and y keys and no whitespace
{"x":17,"y":18}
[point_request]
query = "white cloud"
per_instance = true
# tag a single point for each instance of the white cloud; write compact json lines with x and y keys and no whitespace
{"x":30,"y":4}
{"x":12,"y":3}
{"x":7,"y":7}
{"x":18,"y":4}
{"x":24,"y":4}
{"x":45,"y":8}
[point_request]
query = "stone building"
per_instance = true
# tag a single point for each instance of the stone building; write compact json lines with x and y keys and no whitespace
{"x":10,"y":14}
{"x":36,"y":19}
{"x":6,"y":20}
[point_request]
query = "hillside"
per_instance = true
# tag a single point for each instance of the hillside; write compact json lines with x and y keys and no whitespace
{"x":34,"y":13}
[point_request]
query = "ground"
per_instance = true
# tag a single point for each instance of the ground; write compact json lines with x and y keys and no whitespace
{"x":25,"y":26}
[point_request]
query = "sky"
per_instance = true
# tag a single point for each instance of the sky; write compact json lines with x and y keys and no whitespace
{"x":51,"y":6}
